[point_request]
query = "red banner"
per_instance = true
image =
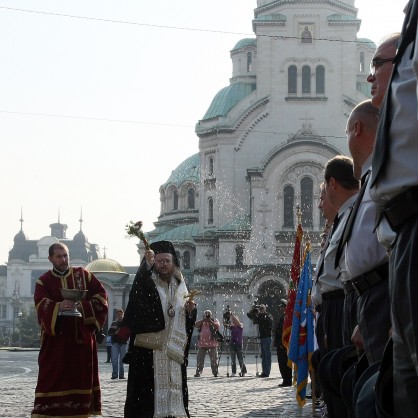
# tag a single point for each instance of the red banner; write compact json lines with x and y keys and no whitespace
{"x":293,"y":287}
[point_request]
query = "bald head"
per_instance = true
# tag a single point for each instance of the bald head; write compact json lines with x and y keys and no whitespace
{"x":361,"y":132}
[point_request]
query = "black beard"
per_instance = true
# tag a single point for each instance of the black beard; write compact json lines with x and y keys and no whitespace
{"x":163,"y":276}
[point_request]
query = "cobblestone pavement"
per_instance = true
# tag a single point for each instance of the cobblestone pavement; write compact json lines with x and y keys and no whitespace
{"x":222,"y":397}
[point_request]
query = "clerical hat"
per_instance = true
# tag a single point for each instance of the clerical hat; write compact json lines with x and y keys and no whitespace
{"x":165,"y":247}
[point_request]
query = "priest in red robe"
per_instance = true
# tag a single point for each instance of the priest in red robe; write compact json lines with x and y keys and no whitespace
{"x":68,"y":379}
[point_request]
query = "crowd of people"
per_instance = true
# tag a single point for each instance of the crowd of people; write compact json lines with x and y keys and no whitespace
{"x":153,"y":336}
{"x":365,"y":286}
{"x":364,"y":289}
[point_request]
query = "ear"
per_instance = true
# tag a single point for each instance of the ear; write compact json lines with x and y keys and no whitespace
{"x":357,"y":128}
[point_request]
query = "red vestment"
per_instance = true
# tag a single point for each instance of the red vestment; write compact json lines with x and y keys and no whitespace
{"x":68,"y":379}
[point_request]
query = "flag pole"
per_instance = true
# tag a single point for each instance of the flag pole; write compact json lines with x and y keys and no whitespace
{"x":311,"y":372}
{"x":293,"y":280}
{"x":301,"y":251}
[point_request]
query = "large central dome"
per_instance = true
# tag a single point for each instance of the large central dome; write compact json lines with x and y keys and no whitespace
{"x":105,"y":265}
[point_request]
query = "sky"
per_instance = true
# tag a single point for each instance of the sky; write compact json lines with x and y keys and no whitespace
{"x":99,"y":100}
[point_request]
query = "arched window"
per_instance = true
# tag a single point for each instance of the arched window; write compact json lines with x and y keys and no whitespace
{"x":210,"y":211}
{"x":362,"y":66}
{"x":210,"y":168}
{"x":175,"y":200}
{"x":190,"y":198}
{"x":288,"y":207}
{"x":239,"y":256}
{"x":186,"y":260}
{"x":320,"y":79}
{"x":306,"y":79}
{"x":292,"y":83}
{"x":249,"y":62}
{"x":306,"y":191}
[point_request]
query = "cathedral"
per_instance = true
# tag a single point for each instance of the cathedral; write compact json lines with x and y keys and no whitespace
{"x":231,"y":209}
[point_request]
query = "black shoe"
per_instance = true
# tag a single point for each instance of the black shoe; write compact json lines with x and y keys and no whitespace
{"x":123,"y":377}
{"x":215,"y":374}
{"x":263,"y":375}
{"x":197,"y":375}
{"x":285,"y":384}
{"x":113,"y":378}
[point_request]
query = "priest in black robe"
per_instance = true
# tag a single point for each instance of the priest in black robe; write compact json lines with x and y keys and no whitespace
{"x":159,"y":319}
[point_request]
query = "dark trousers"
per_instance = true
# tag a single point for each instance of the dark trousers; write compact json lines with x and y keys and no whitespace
{"x":236,"y":352}
{"x":316,"y":358}
{"x":332,"y":318}
{"x":373,"y":311}
{"x":285,"y":370}
{"x":350,"y":316}
{"x":403,"y":290}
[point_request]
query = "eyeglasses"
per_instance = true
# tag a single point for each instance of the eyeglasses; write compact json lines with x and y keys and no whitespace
{"x":378,"y":62}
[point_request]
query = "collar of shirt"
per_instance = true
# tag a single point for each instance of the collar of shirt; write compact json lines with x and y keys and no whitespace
{"x":366,"y":166}
{"x":60,"y":273}
{"x":348,"y":203}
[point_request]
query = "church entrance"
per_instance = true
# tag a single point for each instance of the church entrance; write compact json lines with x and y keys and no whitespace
{"x":270,"y":294}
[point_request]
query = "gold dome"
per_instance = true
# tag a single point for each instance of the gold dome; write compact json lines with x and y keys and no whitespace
{"x":105,"y":265}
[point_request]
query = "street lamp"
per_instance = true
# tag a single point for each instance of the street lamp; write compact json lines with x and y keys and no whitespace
{"x":20,"y":314}
{"x":16,"y":303}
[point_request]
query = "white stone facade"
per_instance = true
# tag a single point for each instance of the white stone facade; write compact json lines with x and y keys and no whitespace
{"x":296,"y":82}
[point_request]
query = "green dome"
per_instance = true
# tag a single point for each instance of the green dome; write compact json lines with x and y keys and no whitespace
{"x":227,"y":98}
{"x":188,"y":170}
{"x":243,"y":43}
{"x":367,"y":42}
{"x":184,"y":233}
{"x":240,"y":223}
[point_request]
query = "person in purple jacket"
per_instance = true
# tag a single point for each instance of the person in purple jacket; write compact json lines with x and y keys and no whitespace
{"x":235,"y":345}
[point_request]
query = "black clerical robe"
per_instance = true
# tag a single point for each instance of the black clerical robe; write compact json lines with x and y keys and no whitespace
{"x":144,"y":314}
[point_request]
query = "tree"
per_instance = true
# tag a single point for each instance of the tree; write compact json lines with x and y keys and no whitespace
{"x":30,"y":331}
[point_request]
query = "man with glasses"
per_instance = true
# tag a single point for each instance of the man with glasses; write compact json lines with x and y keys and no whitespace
{"x":363,"y":252}
{"x":381,"y":68}
{"x":394,"y":185}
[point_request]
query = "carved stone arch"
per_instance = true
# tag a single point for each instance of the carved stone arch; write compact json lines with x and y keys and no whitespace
{"x":172,"y":200}
{"x":188,"y":185}
{"x":170,"y":190}
{"x":281,"y":163}
{"x":190,"y":201}
{"x":295,"y":173}
{"x":162,"y":200}
{"x":287,"y":164}
{"x":269,"y":289}
{"x":250,"y":119}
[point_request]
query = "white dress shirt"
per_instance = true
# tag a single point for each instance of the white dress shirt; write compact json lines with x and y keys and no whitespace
{"x":329,"y":278}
